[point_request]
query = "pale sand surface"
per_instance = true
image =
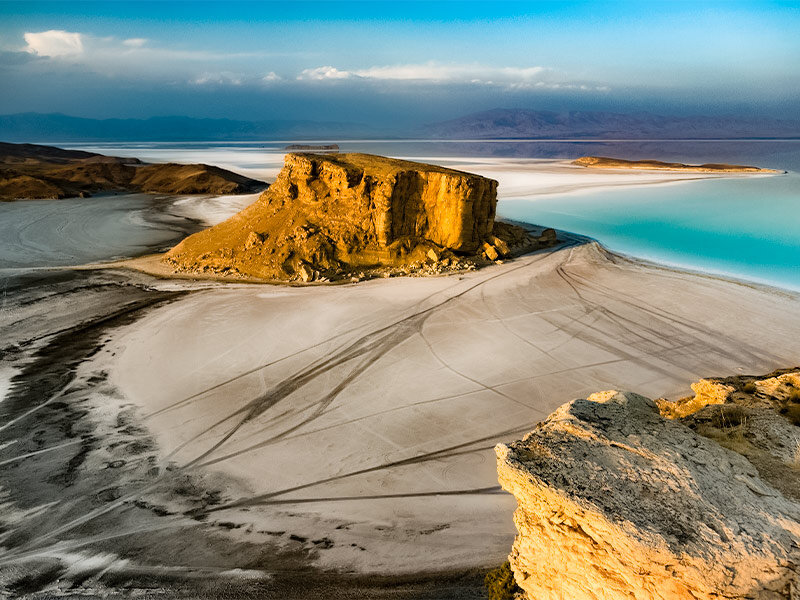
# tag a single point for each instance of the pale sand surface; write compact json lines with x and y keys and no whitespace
{"x":361,"y":418}
{"x":210,"y":210}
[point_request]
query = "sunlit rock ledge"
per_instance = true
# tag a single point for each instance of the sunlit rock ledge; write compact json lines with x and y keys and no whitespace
{"x":616,"y":500}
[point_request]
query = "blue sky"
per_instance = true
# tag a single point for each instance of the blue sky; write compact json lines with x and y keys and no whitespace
{"x":400,"y":61}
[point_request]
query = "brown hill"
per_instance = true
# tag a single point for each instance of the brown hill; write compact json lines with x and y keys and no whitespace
{"x":603,"y":162}
{"x":329,"y":215}
{"x":33,"y":171}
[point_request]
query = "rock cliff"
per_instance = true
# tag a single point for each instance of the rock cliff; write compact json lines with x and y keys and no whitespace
{"x":332,"y":214}
{"x":617,"y":500}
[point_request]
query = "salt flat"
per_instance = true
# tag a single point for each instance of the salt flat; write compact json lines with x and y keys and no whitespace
{"x":219,"y":435}
{"x":361,"y":419}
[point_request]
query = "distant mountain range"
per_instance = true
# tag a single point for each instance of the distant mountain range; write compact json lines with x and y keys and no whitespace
{"x":499,"y":123}
{"x":505,"y":123}
{"x":36,"y":127}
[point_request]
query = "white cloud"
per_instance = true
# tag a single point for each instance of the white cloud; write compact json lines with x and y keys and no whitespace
{"x":324,"y":73}
{"x":131,"y":57}
{"x":221,"y":78}
{"x":54,"y":43}
{"x":433,"y":71}
{"x":532,"y":77}
{"x":142,"y":58}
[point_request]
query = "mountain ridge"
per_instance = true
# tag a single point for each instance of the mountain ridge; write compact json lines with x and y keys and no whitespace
{"x":511,"y":123}
{"x":497,"y":123}
{"x":50,"y":127}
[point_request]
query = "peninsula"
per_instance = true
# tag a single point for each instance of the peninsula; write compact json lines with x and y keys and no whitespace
{"x":344,"y":216}
{"x":603,"y":162}
{"x":30,"y":171}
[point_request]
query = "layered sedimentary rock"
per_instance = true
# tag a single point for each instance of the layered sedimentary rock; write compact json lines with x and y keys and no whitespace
{"x":327,"y":214}
{"x":615,"y":500}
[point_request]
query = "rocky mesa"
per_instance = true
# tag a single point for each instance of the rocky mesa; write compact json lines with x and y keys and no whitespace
{"x":620,"y":496}
{"x":330,"y":216}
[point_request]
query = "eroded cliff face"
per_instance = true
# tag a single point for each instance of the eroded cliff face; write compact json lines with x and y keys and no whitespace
{"x":617,"y":501}
{"x":330,"y":213}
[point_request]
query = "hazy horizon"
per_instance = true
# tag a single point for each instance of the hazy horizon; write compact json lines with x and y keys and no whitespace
{"x":404,"y":63}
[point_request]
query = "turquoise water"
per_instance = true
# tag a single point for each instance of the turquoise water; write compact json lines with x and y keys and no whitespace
{"x":747,"y":228}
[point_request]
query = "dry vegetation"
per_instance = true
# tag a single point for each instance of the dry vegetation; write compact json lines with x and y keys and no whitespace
{"x":755,"y":416}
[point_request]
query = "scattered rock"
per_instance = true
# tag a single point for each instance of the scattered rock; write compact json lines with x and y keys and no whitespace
{"x":500,"y":245}
{"x":489,"y":251}
{"x":548,"y":237}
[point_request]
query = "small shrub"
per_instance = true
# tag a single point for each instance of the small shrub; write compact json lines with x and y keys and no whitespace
{"x":749,"y":388}
{"x":500,"y":584}
{"x":728,"y":416}
{"x":792,"y":412}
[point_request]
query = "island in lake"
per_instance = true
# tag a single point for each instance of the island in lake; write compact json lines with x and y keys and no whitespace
{"x":603,"y":162}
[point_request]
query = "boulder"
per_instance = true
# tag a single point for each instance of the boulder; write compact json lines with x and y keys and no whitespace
{"x":489,"y":251}
{"x":616,"y":501}
{"x":500,"y":245}
{"x":548,"y":237}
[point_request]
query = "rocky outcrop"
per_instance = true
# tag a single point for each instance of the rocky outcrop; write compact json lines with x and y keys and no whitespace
{"x":328,"y":215}
{"x":38,"y":172}
{"x":615,"y":500}
{"x":604,"y":162}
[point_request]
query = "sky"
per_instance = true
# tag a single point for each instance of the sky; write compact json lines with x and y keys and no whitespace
{"x":399,"y":62}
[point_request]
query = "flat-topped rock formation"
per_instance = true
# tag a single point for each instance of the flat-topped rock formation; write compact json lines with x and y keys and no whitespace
{"x":603,"y":162}
{"x":618,"y":500}
{"x":330,"y":215}
{"x":37,"y":172}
